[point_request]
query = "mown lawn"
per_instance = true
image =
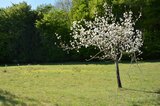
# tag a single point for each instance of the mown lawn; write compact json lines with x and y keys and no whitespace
{"x":80,"y":85}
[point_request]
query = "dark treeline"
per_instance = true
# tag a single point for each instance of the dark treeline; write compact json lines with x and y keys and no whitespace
{"x":28,"y":36}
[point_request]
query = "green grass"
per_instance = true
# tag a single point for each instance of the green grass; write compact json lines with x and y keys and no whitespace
{"x":80,"y":85}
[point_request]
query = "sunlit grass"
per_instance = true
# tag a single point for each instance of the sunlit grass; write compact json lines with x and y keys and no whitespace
{"x":80,"y":85}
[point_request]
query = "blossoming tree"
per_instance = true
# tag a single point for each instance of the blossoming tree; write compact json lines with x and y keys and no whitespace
{"x":113,"y":38}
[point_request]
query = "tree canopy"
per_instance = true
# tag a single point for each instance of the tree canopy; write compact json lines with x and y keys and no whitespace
{"x":28,"y":35}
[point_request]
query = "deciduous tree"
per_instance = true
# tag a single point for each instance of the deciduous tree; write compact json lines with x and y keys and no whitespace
{"x":110,"y":35}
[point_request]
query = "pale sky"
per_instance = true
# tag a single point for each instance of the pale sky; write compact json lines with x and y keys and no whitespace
{"x":33,"y":3}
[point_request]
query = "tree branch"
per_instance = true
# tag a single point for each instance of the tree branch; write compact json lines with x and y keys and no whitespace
{"x":95,"y":55}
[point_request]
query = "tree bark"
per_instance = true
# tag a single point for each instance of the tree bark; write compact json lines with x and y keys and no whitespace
{"x":118,"y":74}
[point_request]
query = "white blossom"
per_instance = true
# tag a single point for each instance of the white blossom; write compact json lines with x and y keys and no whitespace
{"x":111,"y":37}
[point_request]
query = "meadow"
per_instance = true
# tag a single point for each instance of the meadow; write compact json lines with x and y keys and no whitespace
{"x":91,"y":84}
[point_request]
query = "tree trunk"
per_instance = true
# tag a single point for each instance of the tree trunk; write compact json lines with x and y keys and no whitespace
{"x":118,"y":74}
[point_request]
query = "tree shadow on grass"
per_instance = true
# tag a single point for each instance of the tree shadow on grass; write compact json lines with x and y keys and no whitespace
{"x":143,"y":91}
{"x":154,"y":101}
{"x":8,"y":99}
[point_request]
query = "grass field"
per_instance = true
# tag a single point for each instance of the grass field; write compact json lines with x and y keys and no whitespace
{"x":80,"y":85}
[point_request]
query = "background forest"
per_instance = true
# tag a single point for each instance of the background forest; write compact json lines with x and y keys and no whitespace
{"x":28,"y":36}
